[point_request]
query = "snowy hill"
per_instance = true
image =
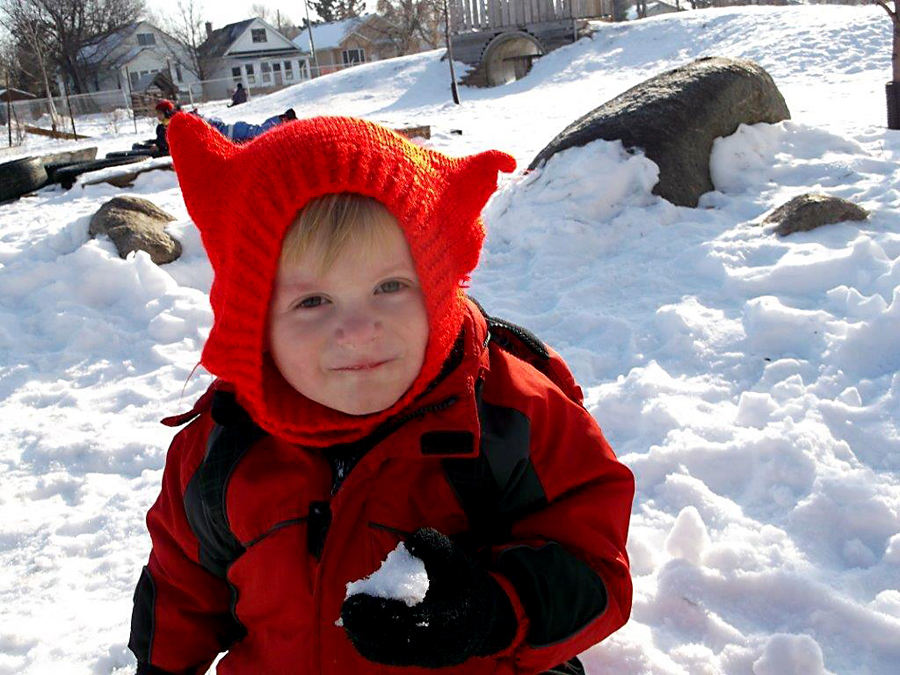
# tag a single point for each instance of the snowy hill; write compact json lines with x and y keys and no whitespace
{"x":751,"y":383}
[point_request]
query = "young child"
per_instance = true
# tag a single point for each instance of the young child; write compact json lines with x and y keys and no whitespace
{"x":165,"y":109}
{"x":363,"y":400}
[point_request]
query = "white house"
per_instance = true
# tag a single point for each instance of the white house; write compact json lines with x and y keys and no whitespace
{"x":251,"y":52}
{"x":129,"y":59}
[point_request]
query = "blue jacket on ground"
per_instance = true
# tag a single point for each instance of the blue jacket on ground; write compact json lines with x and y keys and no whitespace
{"x":243,"y":131}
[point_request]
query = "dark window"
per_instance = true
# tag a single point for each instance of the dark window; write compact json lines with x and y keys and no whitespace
{"x":276,"y":67}
{"x":146,"y":39}
{"x":236,"y":73}
{"x":351,"y":56}
{"x":259,"y":34}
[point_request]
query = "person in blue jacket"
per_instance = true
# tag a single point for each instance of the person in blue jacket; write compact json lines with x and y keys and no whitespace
{"x":241,"y":132}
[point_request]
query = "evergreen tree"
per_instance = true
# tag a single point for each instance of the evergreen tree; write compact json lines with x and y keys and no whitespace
{"x":326,"y":9}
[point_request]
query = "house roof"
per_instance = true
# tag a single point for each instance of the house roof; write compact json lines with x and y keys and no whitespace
{"x":220,"y":42}
{"x":222,"y":38}
{"x":329,"y":35}
{"x":99,"y":51}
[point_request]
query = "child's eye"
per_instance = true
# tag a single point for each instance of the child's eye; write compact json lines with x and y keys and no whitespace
{"x":311,"y":302}
{"x":391,"y":286}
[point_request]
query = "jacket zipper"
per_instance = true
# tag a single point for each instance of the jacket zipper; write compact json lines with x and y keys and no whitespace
{"x":326,"y":507}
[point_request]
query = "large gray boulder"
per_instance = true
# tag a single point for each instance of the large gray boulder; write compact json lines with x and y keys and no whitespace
{"x":675,"y":117}
{"x":809,"y":211}
{"x":136,"y":224}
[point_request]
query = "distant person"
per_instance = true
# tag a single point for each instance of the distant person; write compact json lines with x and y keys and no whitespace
{"x":241,"y":132}
{"x":239,"y":96}
{"x":164,"y":111}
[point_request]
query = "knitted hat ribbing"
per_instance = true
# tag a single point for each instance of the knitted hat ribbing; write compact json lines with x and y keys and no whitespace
{"x":243,"y":199}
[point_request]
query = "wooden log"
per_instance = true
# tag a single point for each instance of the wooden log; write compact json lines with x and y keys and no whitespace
{"x":126,"y":179}
{"x":83,"y":155}
{"x":52,"y":134}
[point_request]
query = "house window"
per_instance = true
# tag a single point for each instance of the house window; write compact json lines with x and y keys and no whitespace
{"x":259,"y":34}
{"x":276,"y":67}
{"x":266,"y":71}
{"x":146,"y":39}
{"x":251,"y":78}
{"x":134,"y":77}
{"x":353,"y":56}
{"x":236,"y":73}
{"x":288,"y":70}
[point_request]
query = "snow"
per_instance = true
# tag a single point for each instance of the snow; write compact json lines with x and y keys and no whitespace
{"x":401,"y":576}
{"x":751,"y":382}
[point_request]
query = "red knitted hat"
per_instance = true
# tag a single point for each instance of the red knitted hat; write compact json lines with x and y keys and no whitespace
{"x":165,"y":106}
{"x":244,"y":198}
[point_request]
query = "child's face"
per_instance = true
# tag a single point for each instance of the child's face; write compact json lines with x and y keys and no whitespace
{"x":352,"y":337}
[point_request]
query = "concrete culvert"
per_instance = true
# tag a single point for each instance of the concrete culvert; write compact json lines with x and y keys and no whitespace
{"x":508,"y":57}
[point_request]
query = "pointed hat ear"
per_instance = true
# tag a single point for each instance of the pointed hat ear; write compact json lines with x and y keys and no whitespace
{"x":469,"y":187}
{"x":199,"y":154}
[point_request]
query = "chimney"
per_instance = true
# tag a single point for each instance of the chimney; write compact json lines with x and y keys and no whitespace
{"x":208,"y":28}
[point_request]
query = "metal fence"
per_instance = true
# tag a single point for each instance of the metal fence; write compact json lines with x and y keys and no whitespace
{"x":119,"y":112}
{"x":69,"y":116}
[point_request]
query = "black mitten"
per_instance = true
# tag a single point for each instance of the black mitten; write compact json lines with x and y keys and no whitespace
{"x":465,"y":612}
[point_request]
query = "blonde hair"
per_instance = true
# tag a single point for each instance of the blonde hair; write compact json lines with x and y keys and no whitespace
{"x":327,"y":224}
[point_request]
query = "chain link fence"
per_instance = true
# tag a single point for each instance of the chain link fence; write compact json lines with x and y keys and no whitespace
{"x":74,"y":116}
{"x":118,"y":112}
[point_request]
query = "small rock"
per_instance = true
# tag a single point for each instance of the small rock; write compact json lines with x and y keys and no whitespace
{"x":136,"y":224}
{"x":809,"y":211}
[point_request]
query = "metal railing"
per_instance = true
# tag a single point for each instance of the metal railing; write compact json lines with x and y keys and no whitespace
{"x":118,"y":112}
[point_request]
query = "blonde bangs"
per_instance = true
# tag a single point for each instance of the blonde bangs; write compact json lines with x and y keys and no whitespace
{"x":327,"y":224}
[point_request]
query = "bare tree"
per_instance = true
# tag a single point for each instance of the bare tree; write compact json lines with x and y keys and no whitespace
{"x":262,"y":11}
{"x":67,"y":26}
{"x":188,"y":28}
{"x":410,"y":23}
{"x":895,"y":19}
{"x":22,"y":21}
{"x":282,"y":22}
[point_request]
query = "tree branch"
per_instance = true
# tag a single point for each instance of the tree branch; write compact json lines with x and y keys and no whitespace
{"x":884,"y":5}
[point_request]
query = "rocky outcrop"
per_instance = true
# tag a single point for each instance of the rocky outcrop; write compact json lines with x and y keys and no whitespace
{"x":809,"y":211}
{"x":136,"y":224}
{"x":675,"y":117}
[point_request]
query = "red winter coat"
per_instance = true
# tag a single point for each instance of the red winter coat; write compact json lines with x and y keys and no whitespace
{"x":561,"y":499}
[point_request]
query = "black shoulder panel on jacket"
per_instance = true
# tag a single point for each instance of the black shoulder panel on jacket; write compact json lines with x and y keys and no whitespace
{"x":142,"y":615}
{"x":204,"y":498}
{"x":147,"y":669}
{"x":500,"y":485}
{"x":560,"y":593}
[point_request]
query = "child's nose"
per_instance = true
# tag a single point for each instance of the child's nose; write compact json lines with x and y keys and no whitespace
{"x":357,"y":328}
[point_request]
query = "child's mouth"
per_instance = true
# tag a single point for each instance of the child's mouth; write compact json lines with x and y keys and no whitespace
{"x":368,"y":365}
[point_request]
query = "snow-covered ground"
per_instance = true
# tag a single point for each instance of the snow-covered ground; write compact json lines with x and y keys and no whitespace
{"x":752,"y":383}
